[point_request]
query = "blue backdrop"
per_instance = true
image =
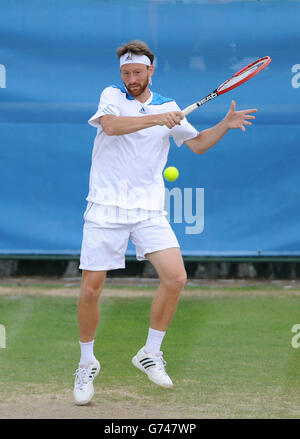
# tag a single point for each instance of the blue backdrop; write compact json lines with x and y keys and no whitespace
{"x":242,"y":197}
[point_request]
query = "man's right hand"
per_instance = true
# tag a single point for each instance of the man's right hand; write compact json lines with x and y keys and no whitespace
{"x":120,"y":125}
{"x":170,"y":119}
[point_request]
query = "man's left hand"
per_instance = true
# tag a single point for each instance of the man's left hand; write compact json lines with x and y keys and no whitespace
{"x":237,"y":119}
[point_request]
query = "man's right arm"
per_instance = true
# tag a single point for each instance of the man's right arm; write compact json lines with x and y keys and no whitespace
{"x":119,"y":125}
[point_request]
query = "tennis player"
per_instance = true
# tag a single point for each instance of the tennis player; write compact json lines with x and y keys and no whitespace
{"x":126,"y":200}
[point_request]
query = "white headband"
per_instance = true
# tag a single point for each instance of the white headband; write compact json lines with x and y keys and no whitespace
{"x":130,"y":58}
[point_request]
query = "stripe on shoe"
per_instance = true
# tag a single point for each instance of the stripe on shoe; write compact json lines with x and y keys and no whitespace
{"x":93,"y":371}
{"x":150,"y":365}
{"x":148,"y":362}
{"x":145,"y":359}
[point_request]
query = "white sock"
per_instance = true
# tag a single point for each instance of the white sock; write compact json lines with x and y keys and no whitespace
{"x":154,"y":341}
{"x":87,"y":353}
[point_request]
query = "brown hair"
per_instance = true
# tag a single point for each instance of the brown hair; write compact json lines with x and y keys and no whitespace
{"x":137,"y":47}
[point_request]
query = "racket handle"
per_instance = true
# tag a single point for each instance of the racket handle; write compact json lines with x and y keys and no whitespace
{"x":198,"y":104}
{"x":190,"y":108}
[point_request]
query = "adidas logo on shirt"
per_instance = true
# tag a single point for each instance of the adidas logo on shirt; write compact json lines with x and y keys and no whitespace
{"x":142,"y":110}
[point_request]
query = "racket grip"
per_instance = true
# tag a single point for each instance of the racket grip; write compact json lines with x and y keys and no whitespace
{"x":189,"y":109}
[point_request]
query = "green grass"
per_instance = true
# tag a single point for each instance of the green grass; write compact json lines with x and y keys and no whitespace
{"x":228,"y":356}
{"x":142,"y":287}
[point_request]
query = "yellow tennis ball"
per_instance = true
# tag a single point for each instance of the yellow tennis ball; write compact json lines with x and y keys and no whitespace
{"x":171,"y":173}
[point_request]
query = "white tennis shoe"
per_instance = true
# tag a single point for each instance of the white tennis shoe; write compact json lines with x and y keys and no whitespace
{"x":153,"y":365}
{"x":83,"y":384}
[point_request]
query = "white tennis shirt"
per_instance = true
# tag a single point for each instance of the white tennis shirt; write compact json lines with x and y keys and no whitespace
{"x":126,"y":170}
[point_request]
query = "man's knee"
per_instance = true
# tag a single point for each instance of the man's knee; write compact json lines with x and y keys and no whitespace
{"x":176,"y":282}
{"x":90,"y":293}
{"x":92,"y":286}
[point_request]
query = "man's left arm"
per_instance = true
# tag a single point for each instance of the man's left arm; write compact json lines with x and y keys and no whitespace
{"x":208,"y":138}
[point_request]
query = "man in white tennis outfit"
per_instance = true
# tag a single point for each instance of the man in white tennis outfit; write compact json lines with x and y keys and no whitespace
{"x":126,"y":200}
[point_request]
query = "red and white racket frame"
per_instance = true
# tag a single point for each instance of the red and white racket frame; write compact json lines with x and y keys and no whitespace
{"x":216,"y":92}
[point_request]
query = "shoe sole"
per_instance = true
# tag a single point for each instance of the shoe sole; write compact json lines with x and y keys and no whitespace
{"x":136,"y":363}
{"x":86,"y":401}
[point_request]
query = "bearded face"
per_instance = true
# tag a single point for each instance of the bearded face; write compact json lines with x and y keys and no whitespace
{"x":136,"y":78}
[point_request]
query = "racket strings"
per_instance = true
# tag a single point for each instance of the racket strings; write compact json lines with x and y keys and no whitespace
{"x":238,"y":77}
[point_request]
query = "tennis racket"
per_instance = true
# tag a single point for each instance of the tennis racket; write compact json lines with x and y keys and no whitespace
{"x":237,"y":79}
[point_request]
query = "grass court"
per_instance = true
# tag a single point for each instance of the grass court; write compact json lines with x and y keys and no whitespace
{"x":228,"y":350}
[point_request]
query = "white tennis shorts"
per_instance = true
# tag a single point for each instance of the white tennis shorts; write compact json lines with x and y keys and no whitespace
{"x":107,"y":229}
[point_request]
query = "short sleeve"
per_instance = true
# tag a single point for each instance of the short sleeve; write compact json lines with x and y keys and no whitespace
{"x":183,"y":132}
{"x":108,"y":105}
